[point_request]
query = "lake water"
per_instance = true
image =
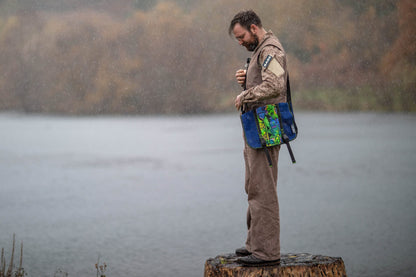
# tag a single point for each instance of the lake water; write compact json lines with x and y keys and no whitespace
{"x":157,"y":196}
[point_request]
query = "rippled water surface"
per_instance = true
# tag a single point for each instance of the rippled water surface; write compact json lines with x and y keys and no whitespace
{"x":157,"y":196}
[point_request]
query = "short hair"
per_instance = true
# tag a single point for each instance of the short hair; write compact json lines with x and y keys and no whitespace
{"x":245,"y":19}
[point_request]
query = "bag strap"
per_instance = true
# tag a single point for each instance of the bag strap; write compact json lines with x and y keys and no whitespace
{"x":288,"y":94}
{"x":289,"y":101}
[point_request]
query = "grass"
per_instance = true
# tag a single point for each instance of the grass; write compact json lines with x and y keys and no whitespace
{"x":11,"y":270}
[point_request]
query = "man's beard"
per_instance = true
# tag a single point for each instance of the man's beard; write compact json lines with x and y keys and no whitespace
{"x":251,"y":46}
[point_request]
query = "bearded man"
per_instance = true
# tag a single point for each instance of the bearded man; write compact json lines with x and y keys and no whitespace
{"x":265,"y":83}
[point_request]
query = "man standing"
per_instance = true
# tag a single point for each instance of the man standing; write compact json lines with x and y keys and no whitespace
{"x":265,"y":80}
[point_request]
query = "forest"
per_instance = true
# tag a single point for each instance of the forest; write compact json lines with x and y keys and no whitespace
{"x":88,"y":57}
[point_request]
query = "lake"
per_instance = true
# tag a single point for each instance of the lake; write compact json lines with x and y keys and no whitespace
{"x":159,"y":195}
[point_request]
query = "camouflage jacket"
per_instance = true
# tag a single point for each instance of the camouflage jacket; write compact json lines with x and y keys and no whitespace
{"x":266,"y":74}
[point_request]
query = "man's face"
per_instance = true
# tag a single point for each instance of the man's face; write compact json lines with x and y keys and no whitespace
{"x":245,"y":37}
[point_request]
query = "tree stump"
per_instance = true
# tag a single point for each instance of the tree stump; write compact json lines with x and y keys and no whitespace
{"x":291,"y":265}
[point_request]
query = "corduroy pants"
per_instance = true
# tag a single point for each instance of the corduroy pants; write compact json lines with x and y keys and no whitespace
{"x":263,"y":222}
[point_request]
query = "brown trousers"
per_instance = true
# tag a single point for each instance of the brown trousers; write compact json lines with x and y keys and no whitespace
{"x":263,"y":222}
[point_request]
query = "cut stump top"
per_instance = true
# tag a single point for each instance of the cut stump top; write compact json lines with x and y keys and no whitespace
{"x":293,"y":265}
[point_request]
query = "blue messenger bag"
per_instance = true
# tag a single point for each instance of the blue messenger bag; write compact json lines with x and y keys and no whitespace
{"x":271,"y":125}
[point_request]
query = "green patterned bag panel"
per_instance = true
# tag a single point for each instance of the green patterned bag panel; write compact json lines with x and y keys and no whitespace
{"x":269,"y":126}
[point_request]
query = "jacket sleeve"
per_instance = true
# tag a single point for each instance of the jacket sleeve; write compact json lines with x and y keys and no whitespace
{"x":272,"y":85}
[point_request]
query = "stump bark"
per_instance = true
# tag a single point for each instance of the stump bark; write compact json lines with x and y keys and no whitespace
{"x":291,"y":265}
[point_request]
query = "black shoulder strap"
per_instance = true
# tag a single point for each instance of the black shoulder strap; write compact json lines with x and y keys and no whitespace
{"x":288,"y":95}
{"x":289,"y":101}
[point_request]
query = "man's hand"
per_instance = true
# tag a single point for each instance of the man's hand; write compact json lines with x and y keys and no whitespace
{"x":237,"y":102}
{"x":240,"y":75}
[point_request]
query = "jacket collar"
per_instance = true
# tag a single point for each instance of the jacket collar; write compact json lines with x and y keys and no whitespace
{"x":266,"y":36}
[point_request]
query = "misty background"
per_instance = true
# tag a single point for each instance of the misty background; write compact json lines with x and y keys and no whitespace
{"x":138,"y":57}
{"x":119,"y":138}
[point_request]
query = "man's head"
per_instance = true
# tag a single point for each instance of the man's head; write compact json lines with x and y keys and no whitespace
{"x":247,"y":29}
